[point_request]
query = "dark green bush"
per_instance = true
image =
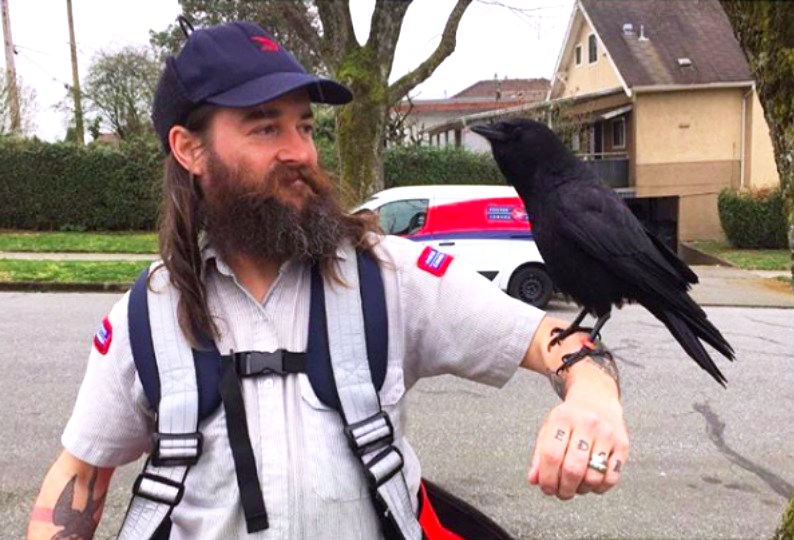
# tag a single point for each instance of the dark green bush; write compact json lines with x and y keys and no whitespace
{"x":418,"y":165}
{"x":45,"y":186}
{"x":753,"y":219}
{"x":59,"y":186}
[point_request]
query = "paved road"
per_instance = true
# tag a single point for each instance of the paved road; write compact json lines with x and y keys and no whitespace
{"x":706,"y":462}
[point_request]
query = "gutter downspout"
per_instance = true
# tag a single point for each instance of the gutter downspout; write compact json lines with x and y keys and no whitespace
{"x":743,"y":137}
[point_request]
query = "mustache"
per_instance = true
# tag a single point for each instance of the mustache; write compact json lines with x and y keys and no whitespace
{"x":281,"y":176}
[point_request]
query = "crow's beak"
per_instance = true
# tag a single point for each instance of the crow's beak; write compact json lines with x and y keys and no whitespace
{"x":489,"y":132}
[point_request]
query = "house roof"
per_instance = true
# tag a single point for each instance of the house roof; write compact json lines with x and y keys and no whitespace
{"x":675,"y":30}
{"x":518,"y":89}
{"x":483,"y":96}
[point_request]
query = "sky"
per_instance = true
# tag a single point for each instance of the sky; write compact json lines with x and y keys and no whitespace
{"x":493,"y":40}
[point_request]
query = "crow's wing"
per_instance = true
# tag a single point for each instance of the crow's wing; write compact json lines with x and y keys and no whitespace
{"x":596,"y":220}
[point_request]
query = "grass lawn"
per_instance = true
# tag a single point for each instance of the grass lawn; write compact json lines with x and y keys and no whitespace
{"x":750,"y":259}
{"x":70,"y":271}
{"x":78,"y":242}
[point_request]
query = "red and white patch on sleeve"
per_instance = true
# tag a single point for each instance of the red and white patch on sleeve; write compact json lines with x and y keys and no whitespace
{"x":433,"y":261}
{"x":103,"y":336}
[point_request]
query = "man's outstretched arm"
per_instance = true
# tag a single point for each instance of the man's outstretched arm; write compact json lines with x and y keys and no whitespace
{"x":71,"y":500}
{"x":587,"y":424}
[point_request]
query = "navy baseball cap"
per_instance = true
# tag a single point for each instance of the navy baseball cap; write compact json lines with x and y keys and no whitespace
{"x":232,"y":65}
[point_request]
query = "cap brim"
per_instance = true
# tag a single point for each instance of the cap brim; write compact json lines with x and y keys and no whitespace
{"x":275,"y":85}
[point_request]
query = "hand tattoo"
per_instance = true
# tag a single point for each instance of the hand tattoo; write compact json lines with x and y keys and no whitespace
{"x":560,"y":435}
{"x":583,"y":445}
{"x":618,"y":464}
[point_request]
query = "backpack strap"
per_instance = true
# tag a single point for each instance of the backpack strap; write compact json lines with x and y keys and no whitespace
{"x":176,"y":444}
{"x":368,"y":428}
{"x":376,"y":327}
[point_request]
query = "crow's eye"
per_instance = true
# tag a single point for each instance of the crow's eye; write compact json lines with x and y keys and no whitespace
{"x":515,"y":133}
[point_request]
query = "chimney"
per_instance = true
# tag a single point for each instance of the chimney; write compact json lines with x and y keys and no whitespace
{"x":642,"y":37}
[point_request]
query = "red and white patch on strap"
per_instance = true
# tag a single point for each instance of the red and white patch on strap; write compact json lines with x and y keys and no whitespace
{"x":103,"y":336}
{"x":433,"y":261}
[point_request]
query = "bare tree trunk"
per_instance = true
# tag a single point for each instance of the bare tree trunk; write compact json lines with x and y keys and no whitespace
{"x":765,"y":30}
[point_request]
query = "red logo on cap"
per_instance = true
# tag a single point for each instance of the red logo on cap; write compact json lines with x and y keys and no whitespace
{"x":267,"y":44}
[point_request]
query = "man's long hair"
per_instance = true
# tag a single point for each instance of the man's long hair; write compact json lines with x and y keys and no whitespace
{"x":182,"y":222}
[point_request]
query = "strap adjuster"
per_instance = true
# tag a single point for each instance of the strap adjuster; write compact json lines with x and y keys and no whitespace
{"x":253,"y":363}
{"x":158,"y":489}
{"x":383,"y":467}
{"x":370,"y":434}
{"x":176,"y":449}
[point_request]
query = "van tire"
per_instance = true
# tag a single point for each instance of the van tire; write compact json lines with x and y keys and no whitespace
{"x":531,"y":284}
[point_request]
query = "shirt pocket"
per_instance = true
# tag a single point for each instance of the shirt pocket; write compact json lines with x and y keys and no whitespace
{"x":336,"y":472}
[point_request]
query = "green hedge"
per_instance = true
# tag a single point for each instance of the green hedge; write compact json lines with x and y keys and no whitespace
{"x":419,"y":165}
{"x":59,"y":186}
{"x":753,"y":219}
{"x":45,"y":186}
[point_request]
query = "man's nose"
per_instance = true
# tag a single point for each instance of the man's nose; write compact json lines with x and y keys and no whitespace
{"x":296,"y":148}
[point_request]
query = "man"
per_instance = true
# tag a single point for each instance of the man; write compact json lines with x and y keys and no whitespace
{"x":246,"y":214}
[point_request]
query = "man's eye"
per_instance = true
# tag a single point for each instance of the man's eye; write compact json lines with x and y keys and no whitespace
{"x":307,"y":128}
{"x":266,"y":130}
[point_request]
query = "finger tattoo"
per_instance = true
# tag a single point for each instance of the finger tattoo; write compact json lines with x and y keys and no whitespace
{"x":583,"y":445}
{"x":560,"y":435}
{"x":618,"y":464}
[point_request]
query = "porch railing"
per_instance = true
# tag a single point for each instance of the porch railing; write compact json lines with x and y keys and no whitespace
{"x":611,"y":167}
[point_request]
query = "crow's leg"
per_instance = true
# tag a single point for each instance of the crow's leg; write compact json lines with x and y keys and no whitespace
{"x":562,"y":333}
{"x":589,"y":345}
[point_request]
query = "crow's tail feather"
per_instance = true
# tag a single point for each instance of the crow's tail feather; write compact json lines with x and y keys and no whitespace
{"x":687,"y":332}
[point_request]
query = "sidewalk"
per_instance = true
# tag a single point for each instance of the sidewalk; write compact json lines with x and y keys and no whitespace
{"x":719,"y":285}
{"x":727,"y":286}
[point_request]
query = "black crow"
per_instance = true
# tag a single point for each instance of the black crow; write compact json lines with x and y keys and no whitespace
{"x":595,"y":250}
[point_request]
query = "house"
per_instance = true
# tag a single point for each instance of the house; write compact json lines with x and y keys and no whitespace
{"x":659,"y":96}
{"x":424,"y":116}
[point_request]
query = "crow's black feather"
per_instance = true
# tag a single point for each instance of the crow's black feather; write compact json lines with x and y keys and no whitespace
{"x":595,"y":249}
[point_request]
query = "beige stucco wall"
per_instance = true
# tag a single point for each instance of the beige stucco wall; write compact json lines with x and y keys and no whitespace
{"x":761,"y":168}
{"x":587,"y":78}
{"x":688,"y":144}
{"x":688,"y":126}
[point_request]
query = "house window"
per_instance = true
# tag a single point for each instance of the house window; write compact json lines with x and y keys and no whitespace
{"x":619,"y":133}
{"x":592,"y":48}
{"x":576,"y":143}
{"x":577,"y":52}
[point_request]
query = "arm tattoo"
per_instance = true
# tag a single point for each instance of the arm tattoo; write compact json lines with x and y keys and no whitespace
{"x":77,"y":524}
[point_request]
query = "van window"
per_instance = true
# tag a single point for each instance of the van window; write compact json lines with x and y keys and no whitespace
{"x":403,"y":217}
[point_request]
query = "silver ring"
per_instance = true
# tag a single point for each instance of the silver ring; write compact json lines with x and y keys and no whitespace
{"x":598,"y":463}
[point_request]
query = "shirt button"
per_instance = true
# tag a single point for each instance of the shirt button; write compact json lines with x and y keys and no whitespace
{"x":268,"y":383}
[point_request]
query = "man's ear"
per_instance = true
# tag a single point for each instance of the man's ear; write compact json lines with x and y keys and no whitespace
{"x":188,"y":149}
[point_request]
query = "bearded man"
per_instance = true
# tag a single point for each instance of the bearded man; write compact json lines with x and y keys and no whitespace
{"x":249,"y":225}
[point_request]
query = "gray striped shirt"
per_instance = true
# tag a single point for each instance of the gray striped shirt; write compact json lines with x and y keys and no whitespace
{"x":313,"y":486}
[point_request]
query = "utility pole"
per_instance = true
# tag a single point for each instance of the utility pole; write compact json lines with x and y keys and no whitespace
{"x":78,"y":102}
{"x":11,"y":71}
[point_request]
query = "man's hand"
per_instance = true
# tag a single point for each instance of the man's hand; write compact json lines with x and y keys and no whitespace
{"x":588,"y":424}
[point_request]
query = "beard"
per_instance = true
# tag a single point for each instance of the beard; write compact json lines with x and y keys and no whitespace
{"x":255,"y":218}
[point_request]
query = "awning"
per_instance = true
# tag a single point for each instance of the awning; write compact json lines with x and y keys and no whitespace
{"x":615,"y":112}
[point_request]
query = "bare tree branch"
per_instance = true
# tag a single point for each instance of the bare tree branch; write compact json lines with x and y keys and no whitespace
{"x":387,"y":20}
{"x":300,"y":21}
{"x":447,"y":45}
{"x":338,"y":33}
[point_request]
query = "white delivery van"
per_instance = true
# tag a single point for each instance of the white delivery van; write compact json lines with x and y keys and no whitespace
{"x":484,"y":227}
